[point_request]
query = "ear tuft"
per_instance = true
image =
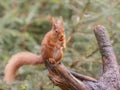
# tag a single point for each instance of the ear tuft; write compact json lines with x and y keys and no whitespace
{"x":61,"y":20}
{"x":52,"y":20}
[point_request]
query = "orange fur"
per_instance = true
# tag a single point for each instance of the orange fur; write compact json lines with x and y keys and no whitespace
{"x":18,"y":60}
{"x":51,"y":49}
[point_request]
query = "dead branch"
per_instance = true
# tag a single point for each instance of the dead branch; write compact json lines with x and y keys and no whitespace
{"x":83,"y":77}
{"x":106,"y":50}
{"x":61,"y":77}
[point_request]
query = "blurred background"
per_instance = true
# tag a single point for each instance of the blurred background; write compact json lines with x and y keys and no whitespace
{"x":23,"y":23}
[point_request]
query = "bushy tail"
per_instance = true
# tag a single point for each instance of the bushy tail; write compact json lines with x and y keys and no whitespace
{"x":18,"y":60}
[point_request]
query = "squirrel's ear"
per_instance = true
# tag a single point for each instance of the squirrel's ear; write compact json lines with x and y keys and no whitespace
{"x":61,"y":20}
{"x":53,"y":21}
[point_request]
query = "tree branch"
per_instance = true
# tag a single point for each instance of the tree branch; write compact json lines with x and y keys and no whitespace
{"x":93,"y":52}
{"x":106,"y":50}
{"x":83,"y":77}
{"x":63,"y":78}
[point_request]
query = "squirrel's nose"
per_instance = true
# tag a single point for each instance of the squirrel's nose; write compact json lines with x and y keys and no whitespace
{"x":62,"y":36}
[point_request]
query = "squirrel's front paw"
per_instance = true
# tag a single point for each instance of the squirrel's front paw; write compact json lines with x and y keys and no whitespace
{"x":58,"y":46}
{"x":52,"y":60}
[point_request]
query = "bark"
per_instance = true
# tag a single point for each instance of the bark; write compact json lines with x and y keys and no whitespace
{"x":109,"y":80}
{"x":62,"y":77}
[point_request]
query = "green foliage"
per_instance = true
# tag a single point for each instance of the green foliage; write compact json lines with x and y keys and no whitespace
{"x":23,"y":23}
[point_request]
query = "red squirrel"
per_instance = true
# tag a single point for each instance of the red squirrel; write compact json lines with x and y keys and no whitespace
{"x":52,"y":47}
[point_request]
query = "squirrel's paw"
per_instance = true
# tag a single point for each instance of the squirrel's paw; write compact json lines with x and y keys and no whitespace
{"x":58,"y":46}
{"x":52,"y":60}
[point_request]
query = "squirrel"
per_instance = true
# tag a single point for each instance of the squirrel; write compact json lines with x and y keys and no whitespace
{"x":52,"y":47}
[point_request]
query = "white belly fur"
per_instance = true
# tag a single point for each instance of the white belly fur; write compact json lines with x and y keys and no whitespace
{"x":56,"y":53}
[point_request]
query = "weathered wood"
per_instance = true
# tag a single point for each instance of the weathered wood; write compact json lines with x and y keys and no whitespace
{"x":61,"y":77}
{"x":106,"y":50}
{"x":111,"y":74}
{"x":83,"y":77}
{"x":109,"y":80}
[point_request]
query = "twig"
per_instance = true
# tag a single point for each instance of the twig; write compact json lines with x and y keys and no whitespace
{"x":83,"y":77}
